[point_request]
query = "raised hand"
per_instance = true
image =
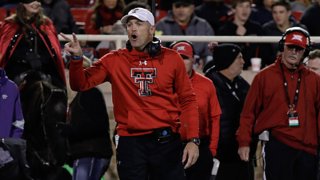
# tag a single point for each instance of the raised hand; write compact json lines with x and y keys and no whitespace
{"x":72,"y":46}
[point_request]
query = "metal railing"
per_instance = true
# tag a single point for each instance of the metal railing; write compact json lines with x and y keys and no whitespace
{"x":119,"y":39}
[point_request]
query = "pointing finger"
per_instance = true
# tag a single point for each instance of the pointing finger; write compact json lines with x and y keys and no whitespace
{"x":75,"y":39}
{"x":65,"y":37}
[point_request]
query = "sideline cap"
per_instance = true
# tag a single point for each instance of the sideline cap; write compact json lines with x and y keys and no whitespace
{"x":184,"y":48}
{"x":139,"y":13}
{"x":296,"y":38}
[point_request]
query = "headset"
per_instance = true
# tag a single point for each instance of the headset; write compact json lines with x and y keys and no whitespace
{"x":296,"y":29}
{"x":153,"y":47}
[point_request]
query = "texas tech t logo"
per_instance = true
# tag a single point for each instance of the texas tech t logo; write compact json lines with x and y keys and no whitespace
{"x":143,"y":77}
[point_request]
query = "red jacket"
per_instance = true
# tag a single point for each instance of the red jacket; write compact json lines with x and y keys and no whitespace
{"x":144,"y":90}
{"x":209,"y":110}
{"x":9,"y":28}
{"x":267,"y":107}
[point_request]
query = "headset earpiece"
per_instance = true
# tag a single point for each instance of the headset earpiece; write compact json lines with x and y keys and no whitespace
{"x":295,"y":29}
{"x":153,"y":47}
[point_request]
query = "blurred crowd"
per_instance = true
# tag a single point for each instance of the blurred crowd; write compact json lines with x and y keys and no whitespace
{"x":188,"y":17}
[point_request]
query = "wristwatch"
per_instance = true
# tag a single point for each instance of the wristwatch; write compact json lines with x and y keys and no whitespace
{"x":195,"y":140}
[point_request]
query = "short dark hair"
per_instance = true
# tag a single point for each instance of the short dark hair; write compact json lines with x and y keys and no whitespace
{"x":281,"y":3}
{"x":236,"y":2}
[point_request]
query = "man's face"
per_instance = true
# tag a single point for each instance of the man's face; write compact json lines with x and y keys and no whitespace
{"x":139,"y":33}
{"x":182,"y":12}
{"x":314,"y":64}
{"x":237,"y":66}
{"x":292,"y":55}
{"x":281,"y":15}
{"x":242,"y":11}
{"x":188,"y":62}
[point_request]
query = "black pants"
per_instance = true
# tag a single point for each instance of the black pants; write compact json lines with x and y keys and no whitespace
{"x":237,"y":170}
{"x":285,"y":162}
{"x":201,"y":170}
{"x":145,"y":158}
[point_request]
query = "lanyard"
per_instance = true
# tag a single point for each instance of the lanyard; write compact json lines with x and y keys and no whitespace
{"x":296,"y":93}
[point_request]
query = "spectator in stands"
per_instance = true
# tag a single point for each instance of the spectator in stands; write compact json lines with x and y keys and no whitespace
{"x":209,"y":114}
{"x":28,"y":40}
{"x":224,"y":71}
{"x":216,"y":12}
{"x":281,"y":13}
{"x":182,"y":21}
{"x":103,"y":15}
{"x":241,"y":25}
{"x":103,"y":18}
{"x":261,"y":11}
{"x":59,"y":12}
{"x":309,"y":17}
{"x":313,"y":61}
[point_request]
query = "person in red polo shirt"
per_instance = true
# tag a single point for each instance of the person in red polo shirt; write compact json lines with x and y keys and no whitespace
{"x":284,"y":99}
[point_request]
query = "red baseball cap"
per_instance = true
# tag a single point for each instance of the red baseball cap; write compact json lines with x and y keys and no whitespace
{"x":184,"y":48}
{"x":296,"y":38}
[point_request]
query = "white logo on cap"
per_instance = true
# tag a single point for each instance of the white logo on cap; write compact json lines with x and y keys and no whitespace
{"x":181,"y":48}
{"x":297,"y":37}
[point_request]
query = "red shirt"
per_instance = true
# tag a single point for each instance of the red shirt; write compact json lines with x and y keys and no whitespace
{"x":144,"y":90}
{"x":266,"y":107}
{"x":209,"y":110}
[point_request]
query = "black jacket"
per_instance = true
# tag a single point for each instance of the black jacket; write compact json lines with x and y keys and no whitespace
{"x":231,"y":107}
{"x":88,"y":131}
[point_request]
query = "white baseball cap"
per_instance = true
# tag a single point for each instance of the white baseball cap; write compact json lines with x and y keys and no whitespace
{"x":139,"y":13}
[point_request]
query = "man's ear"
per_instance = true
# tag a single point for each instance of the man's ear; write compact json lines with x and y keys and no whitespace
{"x":152,"y":29}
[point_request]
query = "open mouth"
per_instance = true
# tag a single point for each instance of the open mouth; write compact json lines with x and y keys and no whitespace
{"x":134,"y":37}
